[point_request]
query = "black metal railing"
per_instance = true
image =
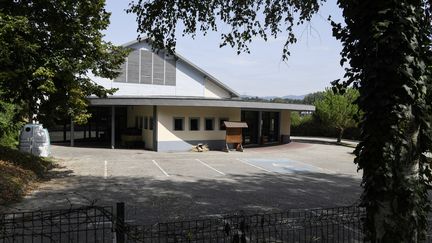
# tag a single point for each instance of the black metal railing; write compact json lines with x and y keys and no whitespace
{"x":84,"y":224}
{"x":319,"y":225}
{"x":104,"y":224}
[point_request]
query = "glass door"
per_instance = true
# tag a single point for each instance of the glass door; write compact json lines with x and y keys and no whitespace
{"x":250,"y":134}
{"x":270,"y":127}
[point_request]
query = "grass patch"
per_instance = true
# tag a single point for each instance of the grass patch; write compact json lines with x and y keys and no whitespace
{"x":18,"y":172}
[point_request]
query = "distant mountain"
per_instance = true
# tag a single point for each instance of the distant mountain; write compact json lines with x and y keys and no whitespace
{"x":292,"y":97}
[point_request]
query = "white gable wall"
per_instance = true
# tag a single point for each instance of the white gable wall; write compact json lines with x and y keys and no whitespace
{"x":189,"y":83}
{"x":211,"y":90}
{"x":131,"y":89}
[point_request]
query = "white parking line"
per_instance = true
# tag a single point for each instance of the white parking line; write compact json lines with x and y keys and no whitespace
{"x":210,"y":167}
{"x":105,"y":169}
{"x":244,"y":162}
{"x":317,"y":167}
{"x":160,"y":168}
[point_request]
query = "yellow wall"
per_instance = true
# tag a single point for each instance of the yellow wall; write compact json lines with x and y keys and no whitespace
{"x":145,"y":112}
{"x":285,"y":122}
{"x":166,"y":122}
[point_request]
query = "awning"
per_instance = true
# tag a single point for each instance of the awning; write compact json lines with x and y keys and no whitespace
{"x":229,"y":124}
{"x":200,"y":102}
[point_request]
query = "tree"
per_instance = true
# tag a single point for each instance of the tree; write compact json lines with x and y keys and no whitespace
{"x":338,"y":110}
{"x":387,"y":46}
{"x":8,"y":125}
{"x":47,"y":50}
{"x":311,"y":98}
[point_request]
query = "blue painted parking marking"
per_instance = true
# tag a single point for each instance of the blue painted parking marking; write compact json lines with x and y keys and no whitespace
{"x":283,"y":165}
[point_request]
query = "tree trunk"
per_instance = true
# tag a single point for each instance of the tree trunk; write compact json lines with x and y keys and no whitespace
{"x":396,"y":199}
{"x":389,"y":56}
{"x":340,"y":134}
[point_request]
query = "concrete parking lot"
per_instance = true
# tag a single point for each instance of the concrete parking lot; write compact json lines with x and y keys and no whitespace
{"x":173,"y":186}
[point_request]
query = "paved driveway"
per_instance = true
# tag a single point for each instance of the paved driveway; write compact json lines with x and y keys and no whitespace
{"x":173,"y":186}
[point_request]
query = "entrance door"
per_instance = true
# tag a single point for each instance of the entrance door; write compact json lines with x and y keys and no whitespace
{"x":270,"y":127}
{"x":250,"y":134}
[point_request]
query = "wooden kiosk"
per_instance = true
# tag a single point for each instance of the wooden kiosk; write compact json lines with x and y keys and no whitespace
{"x":234,"y":134}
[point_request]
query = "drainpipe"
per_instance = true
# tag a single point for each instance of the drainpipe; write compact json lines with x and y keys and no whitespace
{"x":260,"y":123}
{"x":155,"y":129}
{"x":112,"y":127}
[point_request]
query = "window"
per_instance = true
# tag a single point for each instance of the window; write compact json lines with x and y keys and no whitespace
{"x":194,"y":124}
{"x":178,"y":123}
{"x":221,"y":123}
{"x":209,"y":124}
{"x":146,"y":123}
{"x":151,"y":123}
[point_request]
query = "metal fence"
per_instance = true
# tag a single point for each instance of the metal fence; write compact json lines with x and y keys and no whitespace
{"x":321,"y":225}
{"x":85,"y":224}
{"x":103,"y":224}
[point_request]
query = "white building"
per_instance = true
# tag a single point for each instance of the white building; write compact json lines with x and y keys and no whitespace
{"x":167,"y":103}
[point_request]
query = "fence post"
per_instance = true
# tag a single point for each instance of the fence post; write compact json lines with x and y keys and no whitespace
{"x":120,"y":223}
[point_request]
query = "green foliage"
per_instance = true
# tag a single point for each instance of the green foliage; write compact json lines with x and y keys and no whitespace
{"x":335,"y":116}
{"x":47,"y":51}
{"x":247,"y":18}
{"x":387,"y":45}
{"x":311,"y":125}
{"x":8,"y":126}
{"x":286,"y":100}
{"x":297,"y":119}
{"x":274,"y":100}
{"x":311,"y":98}
{"x":338,"y":110}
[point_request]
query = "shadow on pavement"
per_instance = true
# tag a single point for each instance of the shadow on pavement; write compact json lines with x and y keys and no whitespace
{"x":318,"y":141}
{"x":155,"y":199}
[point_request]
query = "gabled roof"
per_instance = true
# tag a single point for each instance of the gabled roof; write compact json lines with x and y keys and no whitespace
{"x":210,"y":77}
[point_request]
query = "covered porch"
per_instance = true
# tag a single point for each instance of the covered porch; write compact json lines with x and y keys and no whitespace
{"x":150,"y":123}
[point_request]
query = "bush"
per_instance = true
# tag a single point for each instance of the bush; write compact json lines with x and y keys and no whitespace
{"x":9,"y":127}
{"x":336,"y":115}
{"x":310,"y":125}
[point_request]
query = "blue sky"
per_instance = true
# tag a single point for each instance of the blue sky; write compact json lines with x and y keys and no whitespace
{"x":313,"y":64}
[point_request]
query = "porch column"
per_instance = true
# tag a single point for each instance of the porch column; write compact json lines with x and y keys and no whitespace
{"x":89,"y":129}
{"x":285,"y":126}
{"x":155,"y":129}
{"x":64,"y":131}
{"x":97,"y":117}
{"x":260,"y":123}
{"x":112,"y":127}
{"x":72,"y":133}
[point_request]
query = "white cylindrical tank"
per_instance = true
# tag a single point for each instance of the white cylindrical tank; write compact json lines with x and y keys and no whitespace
{"x":35,"y":139}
